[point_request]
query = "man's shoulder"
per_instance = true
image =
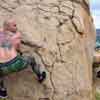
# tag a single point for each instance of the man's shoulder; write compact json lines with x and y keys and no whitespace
{"x":18,"y":33}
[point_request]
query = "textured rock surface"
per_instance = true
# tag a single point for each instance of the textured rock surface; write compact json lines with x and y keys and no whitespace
{"x":66,"y":26}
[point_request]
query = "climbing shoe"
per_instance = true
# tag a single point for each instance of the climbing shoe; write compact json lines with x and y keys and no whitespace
{"x":3,"y":94}
{"x":42,"y":77}
{"x":98,"y":74}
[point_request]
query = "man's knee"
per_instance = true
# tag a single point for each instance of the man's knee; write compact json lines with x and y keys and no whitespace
{"x":30,"y":60}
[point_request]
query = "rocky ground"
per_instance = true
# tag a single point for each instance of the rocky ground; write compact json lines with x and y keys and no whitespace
{"x":97,"y":87}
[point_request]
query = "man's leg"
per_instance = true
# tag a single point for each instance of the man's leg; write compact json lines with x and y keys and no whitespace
{"x":3,"y":90}
{"x":21,"y":62}
{"x":36,"y":68}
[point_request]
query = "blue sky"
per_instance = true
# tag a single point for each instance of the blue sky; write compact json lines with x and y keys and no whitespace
{"x":95,"y":9}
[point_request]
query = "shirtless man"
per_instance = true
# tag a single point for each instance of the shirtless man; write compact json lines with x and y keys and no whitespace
{"x":10,"y":61}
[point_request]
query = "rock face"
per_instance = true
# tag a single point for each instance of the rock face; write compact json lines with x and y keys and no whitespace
{"x":66,"y":26}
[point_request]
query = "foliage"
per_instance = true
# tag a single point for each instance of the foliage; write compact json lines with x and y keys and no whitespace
{"x":97,"y":96}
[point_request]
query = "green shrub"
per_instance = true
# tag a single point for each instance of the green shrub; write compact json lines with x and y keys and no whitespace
{"x":97,"y":96}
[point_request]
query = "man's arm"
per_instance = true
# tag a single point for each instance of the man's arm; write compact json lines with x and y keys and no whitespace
{"x":33,"y":44}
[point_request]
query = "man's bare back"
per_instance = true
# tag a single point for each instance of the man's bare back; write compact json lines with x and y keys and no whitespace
{"x":10,"y":41}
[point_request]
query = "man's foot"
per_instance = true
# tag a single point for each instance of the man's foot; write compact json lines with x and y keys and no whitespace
{"x":3,"y":94}
{"x":42,"y":77}
{"x":98,"y":74}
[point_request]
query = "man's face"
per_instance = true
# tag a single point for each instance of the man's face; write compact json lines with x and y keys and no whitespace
{"x":12,"y":26}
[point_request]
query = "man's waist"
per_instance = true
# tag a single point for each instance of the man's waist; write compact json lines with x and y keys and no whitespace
{"x":6,"y":59}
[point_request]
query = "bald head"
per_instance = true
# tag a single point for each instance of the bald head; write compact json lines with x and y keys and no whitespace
{"x":10,"y":25}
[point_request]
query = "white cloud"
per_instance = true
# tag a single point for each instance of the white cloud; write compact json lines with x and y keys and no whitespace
{"x":95,"y":9}
{"x":96,"y":21}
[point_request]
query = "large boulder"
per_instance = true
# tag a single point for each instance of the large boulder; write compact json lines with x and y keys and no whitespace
{"x":66,"y":26}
